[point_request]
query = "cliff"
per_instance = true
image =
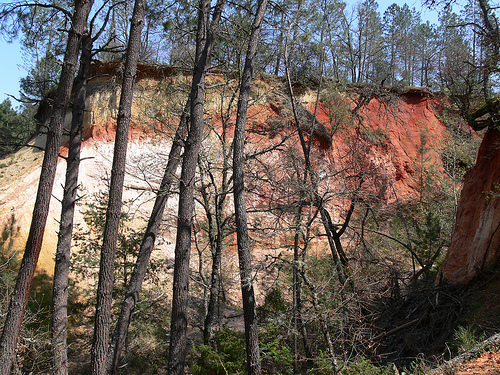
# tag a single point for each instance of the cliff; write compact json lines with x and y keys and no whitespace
{"x":475,"y":244}
{"x":382,"y":143}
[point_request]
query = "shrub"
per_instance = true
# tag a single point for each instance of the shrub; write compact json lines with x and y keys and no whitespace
{"x":277,"y":356}
{"x":274,"y":303}
{"x":226,"y":355}
{"x":364,"y":366}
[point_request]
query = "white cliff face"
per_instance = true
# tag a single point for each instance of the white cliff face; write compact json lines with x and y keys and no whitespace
{"x":145,"y":163}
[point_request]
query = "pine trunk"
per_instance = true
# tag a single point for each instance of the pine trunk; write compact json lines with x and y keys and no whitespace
{"x":17,"y":306}
{"x":244,"y":254}
{"x":147,"y":245}
{"x":63,"y":252}
{"x":108,"y":250}
{"x":205,"y":39}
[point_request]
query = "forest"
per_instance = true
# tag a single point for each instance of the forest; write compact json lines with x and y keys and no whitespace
{"x":305,"y":167}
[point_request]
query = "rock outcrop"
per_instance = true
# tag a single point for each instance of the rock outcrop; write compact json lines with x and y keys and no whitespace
{"x":475,"y":244}
{"x":382,"y":143}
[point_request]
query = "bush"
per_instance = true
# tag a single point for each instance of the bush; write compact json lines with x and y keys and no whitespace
{"x":226,"y":355}
{"x":274,"y":303}
{"x":364,"y":366}
{"x":277,"y":356}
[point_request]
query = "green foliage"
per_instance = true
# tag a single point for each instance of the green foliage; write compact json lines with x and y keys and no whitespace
{"x":460,"y":150}
{"x":420,"y":366}
{"x":277,"y":356}
{"x":364,"y":366}
{"x":425,"y":168}
{"x":274,"y":303}
{"x":147,"y":347}
{"x":377,"y":137}
{"x":466,"y":338}
{"x":85,"y":263}
{"x":359,"y":366}
{"x":42,"y":78}
{"x":494,"y":192}
{"x":15,"y":129}
{"x":226,"y":355}
{"x":323,"y":365}
{"x":428,"y":239}
{"x":339,"y":115}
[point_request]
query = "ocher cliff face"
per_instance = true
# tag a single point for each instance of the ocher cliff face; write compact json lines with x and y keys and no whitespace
{"x":383,"y":147}
{"x":475,"y":243}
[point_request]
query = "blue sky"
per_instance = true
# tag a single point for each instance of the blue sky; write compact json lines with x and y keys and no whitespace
{"x":12,"y":67}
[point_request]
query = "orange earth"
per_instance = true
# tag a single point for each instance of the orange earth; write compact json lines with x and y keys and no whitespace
{"x":487,"y":364}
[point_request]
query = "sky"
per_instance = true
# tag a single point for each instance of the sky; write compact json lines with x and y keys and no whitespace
{"x":12,"y":66}
{"x":11,"y":69}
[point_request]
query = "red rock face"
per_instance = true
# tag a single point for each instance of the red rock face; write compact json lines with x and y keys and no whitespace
{"x":381,"y":144}
{"x":475,"y":244}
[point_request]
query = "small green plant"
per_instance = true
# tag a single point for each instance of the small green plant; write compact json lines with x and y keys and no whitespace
{"x":378,"y":137}
{"x":466,"y":338}
{"x":147,"y":349}
{"x":427,"y":242}
{"x":85,"y":263}
{"x":494,"y":192}
{"x":419,"y":366}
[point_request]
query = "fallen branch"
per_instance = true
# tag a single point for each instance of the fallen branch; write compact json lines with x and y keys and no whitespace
{"x":492,"y":342}
{"x":394,"y":330}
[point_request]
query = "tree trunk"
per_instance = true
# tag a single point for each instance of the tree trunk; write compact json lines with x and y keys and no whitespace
{"x":147,"y":245}
{"x":244,"y":255}
{"x":63,"y":252}
{"x":324,"y":326}
{"x":108,"y":250}
{"x":214,"y":289}
{"x":217,"y":231}
{"x":298,"y":258}
{"x":12,"y":325}
{"x":216,"y":235}
{"x":178,"y":329}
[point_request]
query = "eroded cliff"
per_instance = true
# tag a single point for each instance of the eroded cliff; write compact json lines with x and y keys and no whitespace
{"x":381,"y":142}
{"x":475,"y":244}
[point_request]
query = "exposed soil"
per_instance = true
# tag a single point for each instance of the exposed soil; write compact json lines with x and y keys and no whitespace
{"x":487,"y":364}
